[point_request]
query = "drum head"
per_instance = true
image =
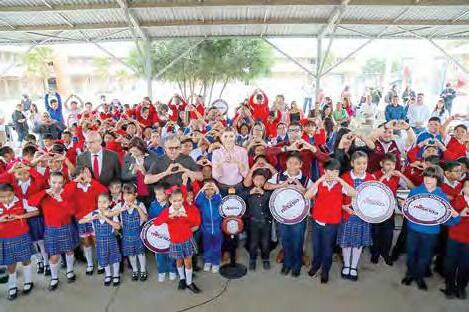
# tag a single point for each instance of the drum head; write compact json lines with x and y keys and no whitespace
{"x":374,"y":203}
{"x":288,"y":205}
{"x":232,"y":206}
{"x":426,"y":209}
{"x":232,"y":225}
{"x":155,"y":237}
{"x":221,"y":105}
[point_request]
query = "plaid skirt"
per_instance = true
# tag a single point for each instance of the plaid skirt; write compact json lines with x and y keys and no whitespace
{"x":183,"y":250}
{"x":85,"y":229}
{"x":107,"y":250}
{"x":132,"y":246}
{"x":16,"y":249}
{"x":354,"y":233}
{"x":58,"y":240}
{"x":36,"y":228}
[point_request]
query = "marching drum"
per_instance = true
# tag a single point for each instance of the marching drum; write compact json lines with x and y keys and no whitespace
{"x":221,"y":105}
{"x":288,"y":205}
{"x":232,"y":225}
{"x":155,"y":237}
{"x":374,"y":203}
{"x":232,"y":206}
{"x":426,"y":209}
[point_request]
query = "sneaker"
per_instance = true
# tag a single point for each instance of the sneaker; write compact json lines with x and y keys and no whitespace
{"x":182,"y":284}
{"x":215,"y":268}
{"x":161,"y":277}
{"x":192,"y":287}
{"x":172,"y":276}
{"x":207,"y":267}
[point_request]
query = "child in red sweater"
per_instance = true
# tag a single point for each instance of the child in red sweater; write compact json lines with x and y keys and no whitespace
{"x":327,"y":215}
{"x":182,"y":219}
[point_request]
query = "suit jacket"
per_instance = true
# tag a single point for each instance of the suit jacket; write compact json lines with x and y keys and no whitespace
{"x":111,"y":166}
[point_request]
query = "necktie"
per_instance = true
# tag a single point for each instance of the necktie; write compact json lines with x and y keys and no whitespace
{"x":96,"y":167}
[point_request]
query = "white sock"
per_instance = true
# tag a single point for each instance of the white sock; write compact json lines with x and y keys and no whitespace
{"x":38,"y":254}
{"x":12,"y":280}
{"x":143,"y":262}
{"x":188,"y":276}
{"x":88,"y":255}
{"x":133,"y":263}
{"x":69,"y":259}
{"x":115,"y":268}
{"x":356,"y":253}
{"x":28,"y":272}
{"x":44,"y":254}
{"x":54,"y":270}
{"x":346,"y":254}
{"x":181,"y":273}
{"x":107,"y":270}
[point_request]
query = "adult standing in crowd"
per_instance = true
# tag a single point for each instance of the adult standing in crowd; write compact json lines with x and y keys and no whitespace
{"x":418,"y":114}
{"x":21,"y":122}
{"x":395,"y":111}
{"x":448,"y":94}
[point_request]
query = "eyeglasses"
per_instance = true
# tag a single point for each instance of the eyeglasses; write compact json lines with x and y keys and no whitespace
{"x":173,"y":148}
{"x":294,"y":130}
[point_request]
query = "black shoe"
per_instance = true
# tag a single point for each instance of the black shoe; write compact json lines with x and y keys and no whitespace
{"x":394,"y":256}
{"x":71,"y":277}
{"x":182,"y":284}
{"x":143,"y":276}
{"x":312,"y":272}
{"x":353,"y":277}
{"x":252,"y":265}
{"x":285,"y":270}
{"x":116,"y":281}
{"x":27,"y":287}
{"x":100,"y":271}
{"x":266,"y":264}
{"x":388,"y":261}
{"x":12,"y":293}
{"x":407,"y":280}
{"x":196,"y":268}
{"x":54,"y":283}
{"x":107,"y":281}
{"x":421,"y":284}
{"x":296,"y":272}
{"x":448,"y":292}
{"x":89,"y":270}
{"x":428,"y":273}
{"x":121,"y":268}
{"x":47,"y":270}
{"x":324,"y":278}
{"x":374,"y":259}
{"x":40,"y":268}
{"x":192,"y":287}
{"x":134,"y":276}
{"x":461,"y":294}
{"x":439,"y":269}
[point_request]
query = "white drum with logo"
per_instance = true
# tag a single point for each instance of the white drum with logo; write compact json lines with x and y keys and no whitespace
{"x":374,"y":203}
{"x":427,"y":209}
{"x":232,"y":206}
{"x":155,"y":237}
{"x":288,"y":205}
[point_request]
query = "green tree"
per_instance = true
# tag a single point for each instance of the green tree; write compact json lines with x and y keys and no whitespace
{"x":101,"y":65}
{"x":210,"y":62}
{"x":36,"y":63}
{"x":374,"y":66}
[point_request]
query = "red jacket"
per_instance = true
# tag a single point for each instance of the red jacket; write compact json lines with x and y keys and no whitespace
{"x":414,"y":175}
{"x":460,"y":231}
{"x":180,"y":228}
{"x":328,"y":204}
{"x":454,"y":150}
{"x":13,"y":228}
{"x":347,"y":199}
{"x":259,"y":111}
{"x":378,"y":155}
{"x":451,"y":191}
{"x":81,"y":202}
{"x":176,"y":109}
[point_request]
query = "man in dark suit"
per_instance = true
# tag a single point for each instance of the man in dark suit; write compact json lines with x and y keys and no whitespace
{"x":103,"y":163}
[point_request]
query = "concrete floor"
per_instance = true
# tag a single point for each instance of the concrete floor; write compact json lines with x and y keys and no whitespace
{"x":378,"y":289}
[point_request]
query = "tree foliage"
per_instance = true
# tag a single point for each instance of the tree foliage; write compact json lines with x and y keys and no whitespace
{"x":36,"y":63}
{"x":212,"y":61}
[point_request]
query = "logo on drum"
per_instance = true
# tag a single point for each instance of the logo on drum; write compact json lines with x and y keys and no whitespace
{"x":426,"y":209}
{"x":371,"y":201}
{"x":289,"y":205}
{"x":157,"y":235}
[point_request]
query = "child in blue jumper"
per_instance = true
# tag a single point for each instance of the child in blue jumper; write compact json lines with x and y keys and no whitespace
{"x":164,"y":263}
{"x":421,"y":239}
{"x":208,"y":201}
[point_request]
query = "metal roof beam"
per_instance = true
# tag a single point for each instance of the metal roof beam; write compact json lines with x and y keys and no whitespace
{"x":131,"y":19}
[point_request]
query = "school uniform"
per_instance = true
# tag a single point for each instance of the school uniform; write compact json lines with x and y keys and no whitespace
{"x":60,"y":233}
{"x":15,"y":241}
{"x":180,"y":231}
{"x":421,"y":239}
{"x":107,"y":247}
{"x":132,"y":245}
{"x":292,"y":235}
{"x":164,"y":263}
{"x":353,"y":231}
{"x":210,"y":226}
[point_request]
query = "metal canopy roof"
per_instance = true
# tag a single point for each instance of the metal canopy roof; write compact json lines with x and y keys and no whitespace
{"x":55,"y":21}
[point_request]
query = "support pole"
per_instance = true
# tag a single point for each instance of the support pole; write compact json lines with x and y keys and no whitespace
{"x":148,"y":68}
{"x":319,"y":60}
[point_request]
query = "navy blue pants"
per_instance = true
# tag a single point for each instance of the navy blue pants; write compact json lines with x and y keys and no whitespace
{"x":420,"y":250}
{"x":259,"y":236}
{"x":324,"y":238}
{"x":456,"y":264}
{"x":165,"y":263}
{"x":212,"y":247}
{"x":382,"y":234}
{"x":292,"y":238}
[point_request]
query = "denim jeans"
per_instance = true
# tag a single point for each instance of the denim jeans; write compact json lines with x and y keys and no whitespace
{"x":165,"y":263}
{"x":212,"y":247}
{"x":308,"y":103}
{"x":292,"y":238}
{"x":324,"y":238}
{"x":457,"y":264}
{"x":420,"y":250}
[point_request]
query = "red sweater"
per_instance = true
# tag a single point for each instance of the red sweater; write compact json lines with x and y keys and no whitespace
{"x":81,"y":202}
{"x":328,"y":204}
{"x":13,"y":228}
{"x":37,"y":184}
{"x":460,"y":231}
{"x":260,"y":111}
{"x":55,"y":213}
{"x":347,"y":200}
{"x":180,"y":228}
{"x":392,"y":183}
{"x":451,"y":191}
{"x":414,"y":175}
{"x":454,"y":150}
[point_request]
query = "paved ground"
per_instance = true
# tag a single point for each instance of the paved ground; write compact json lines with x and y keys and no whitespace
{"x":378,"y":289}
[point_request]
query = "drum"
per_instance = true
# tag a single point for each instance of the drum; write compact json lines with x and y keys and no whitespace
{"x":221,"y":106}
{"x":288,"y":205}
{"x":232,"y":206}
{"x":426,"y":209}
{"x":232,"y":225}
{"x":374,"y":203}
{"x":155,"y":237}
